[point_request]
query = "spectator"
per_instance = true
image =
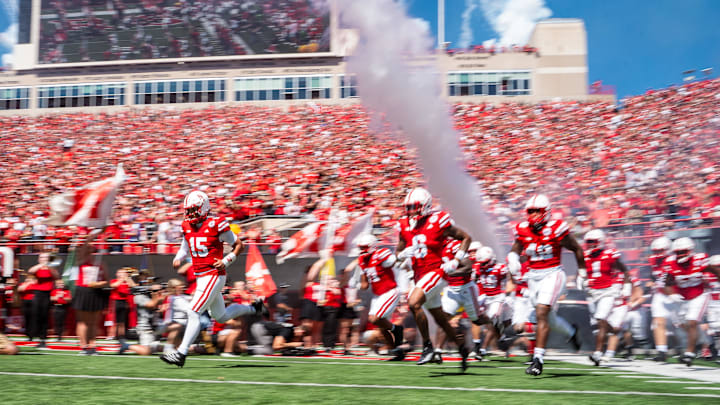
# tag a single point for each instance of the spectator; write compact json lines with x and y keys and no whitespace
{"x":121,"y":296}
{"x":26,"y":292}
{"x":90,"y":298}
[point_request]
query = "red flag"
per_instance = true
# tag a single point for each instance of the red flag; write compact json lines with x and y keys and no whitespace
{"x":89,"y":205}
{"x":257,"y":273}
{"x":303,"y":243}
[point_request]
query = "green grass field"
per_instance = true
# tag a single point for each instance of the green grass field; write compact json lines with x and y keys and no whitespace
{"x":37,"y":377}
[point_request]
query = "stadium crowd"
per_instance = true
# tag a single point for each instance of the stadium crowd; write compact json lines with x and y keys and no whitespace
{"x":652,"y":159}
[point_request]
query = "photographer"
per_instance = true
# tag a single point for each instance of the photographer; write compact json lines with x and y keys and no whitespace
{"x":147,"y":300}
{"x":282,"y":337}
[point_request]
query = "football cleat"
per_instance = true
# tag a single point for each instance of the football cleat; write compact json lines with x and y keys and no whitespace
{"x":260,"y":308}
{"x":123,"y":347}
{"x":437,"y":358}
{"x":595,"y":358}
{"x":575,"y":339}
{"x":397,"y":333}
{"x":687,"y":359}
{"x":464,"y":352}
{"x":535,"y":369}
{"x":660,"y":357}
{"x":427,"y":355}
{"x":175,"y":358}
{"x":398,"y":353}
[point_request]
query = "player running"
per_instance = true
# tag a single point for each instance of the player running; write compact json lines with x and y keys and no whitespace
{"x":422,"y":237}
{"x":203,"y":239}
{"x":496,"y":282}
{"x":541,"y":240}
{"x":378,"y":274}
{"x":604,"y":264}
{"x":683,"y":274}
{"x":662,"y":307}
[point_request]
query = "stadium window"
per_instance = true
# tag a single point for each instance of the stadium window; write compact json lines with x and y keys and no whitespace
{"x":14,"y":98}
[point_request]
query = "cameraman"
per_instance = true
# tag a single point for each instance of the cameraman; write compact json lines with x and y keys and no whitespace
{"x":147,"y":300}
{"x":274,"y":336}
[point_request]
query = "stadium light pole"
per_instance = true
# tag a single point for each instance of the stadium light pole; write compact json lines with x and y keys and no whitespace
{"x":441,"y":24}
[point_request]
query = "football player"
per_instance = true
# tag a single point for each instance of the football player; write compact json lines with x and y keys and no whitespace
{"x":684,"y":275}
{"x":203,"y":238}
{"x":495,"y":281}
{"x":378,"y":275}
{"x":604,"y":264}
{"x":662,"y":307}
{"x":422,"y":238}
{"x":541,"y":239}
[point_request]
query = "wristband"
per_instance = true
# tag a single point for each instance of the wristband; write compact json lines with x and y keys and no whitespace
{"x":229,"y":259}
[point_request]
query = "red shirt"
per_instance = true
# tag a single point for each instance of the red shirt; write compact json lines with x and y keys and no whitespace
{"x":333,"y":298}
{"x":657,"y":270}
{"x":378,"y":268}
{"x":205,"y":245}
{"x":543,"y":248}
{"x":63,"y":296}
{"x":601,"y":273}
{"x":28,"y":293}
{"x":491,"y":278}
{"x":451,"y":248}
{"x":688,"y":276}
{"x":428,"y":240}
{"x":121,"y":292}
{"x":45,"y":279}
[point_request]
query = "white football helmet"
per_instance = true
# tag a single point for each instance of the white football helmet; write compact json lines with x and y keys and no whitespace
{"x":595,"y":240}
{"x":472,"y":249}
{"x":485,"y":256}
{"x":366,"y":242}
{"x":661,"y":245}
{"x":196,"y":206}
{"x":682,"y":249}
{"x":538,"y":210}
{"x":418,"y":203}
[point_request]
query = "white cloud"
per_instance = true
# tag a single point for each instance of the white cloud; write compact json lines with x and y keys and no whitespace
{"x":7,"y":59}
{"x":8,"y":38}
{"x":466,"y":32}
{"x":514,"y":20}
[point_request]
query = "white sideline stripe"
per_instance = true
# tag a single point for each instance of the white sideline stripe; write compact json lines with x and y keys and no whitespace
{"x":394,"y":387}
{"x":648,"y":376}
{"x":346,"y":362}
{"x":703,"y":388}
{"x":617,"y":373}
{"x":676,"y":382}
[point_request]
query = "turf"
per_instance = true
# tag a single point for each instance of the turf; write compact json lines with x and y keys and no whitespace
{"x":215,"y":380}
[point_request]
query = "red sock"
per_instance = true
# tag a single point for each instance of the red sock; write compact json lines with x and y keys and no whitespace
{"x":530,"y":328}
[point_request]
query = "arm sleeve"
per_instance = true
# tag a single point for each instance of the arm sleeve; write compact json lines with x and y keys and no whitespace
{"x":183,"y":252}
{"x":228,"y":237}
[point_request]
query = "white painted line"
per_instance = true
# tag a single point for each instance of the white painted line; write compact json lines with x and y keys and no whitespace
{"x":648,"y":376}
{"x":393,"y":387}
{"x":676,"y":382}
{"x":618,"y":373}
{"x":703,"y":388}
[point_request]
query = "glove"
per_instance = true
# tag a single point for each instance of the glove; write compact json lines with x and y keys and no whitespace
{"x":677,"y":298}
{"x":513,"y":263}
{"x":450,"y":266}
{"x":407,"y":253}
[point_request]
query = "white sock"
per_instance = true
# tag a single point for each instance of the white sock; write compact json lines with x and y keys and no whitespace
{"x":662,"y":348}
{"x":539,"y":354}
{"x":690,"y":354}
{"x":597,"y":354}
{"x":235,"y":310}
{"x":560,"y":325}
{"x":477,"y":341}
{"x":610,"y":354}
{"x":191,"y":331}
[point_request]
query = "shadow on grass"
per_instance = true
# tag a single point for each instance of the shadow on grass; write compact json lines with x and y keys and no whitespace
{"x":435,"y":374}
{"x":561,"y":375}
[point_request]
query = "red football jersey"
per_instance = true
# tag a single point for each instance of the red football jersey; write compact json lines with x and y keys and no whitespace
{"x":657,"y":270}
{"x":601,"y":273}
{"x":625,"y":295}
{"x":451,"y":248}
{"x":428,"y":239}
{"x":378,"y":268}
{"x":688,"y":276}
{"x":712,"y":281}
{"x":543,"y":248}
{"x":205,"y":245}
{"x":493,"y":279}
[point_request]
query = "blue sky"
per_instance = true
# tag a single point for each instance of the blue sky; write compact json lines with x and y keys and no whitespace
{"x":633,"y":44}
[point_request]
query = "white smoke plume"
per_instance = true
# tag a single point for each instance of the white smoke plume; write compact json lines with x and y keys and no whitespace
{"x":466,"y":32}
{"x":513,"y":20}
{"x":409,"y":98}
